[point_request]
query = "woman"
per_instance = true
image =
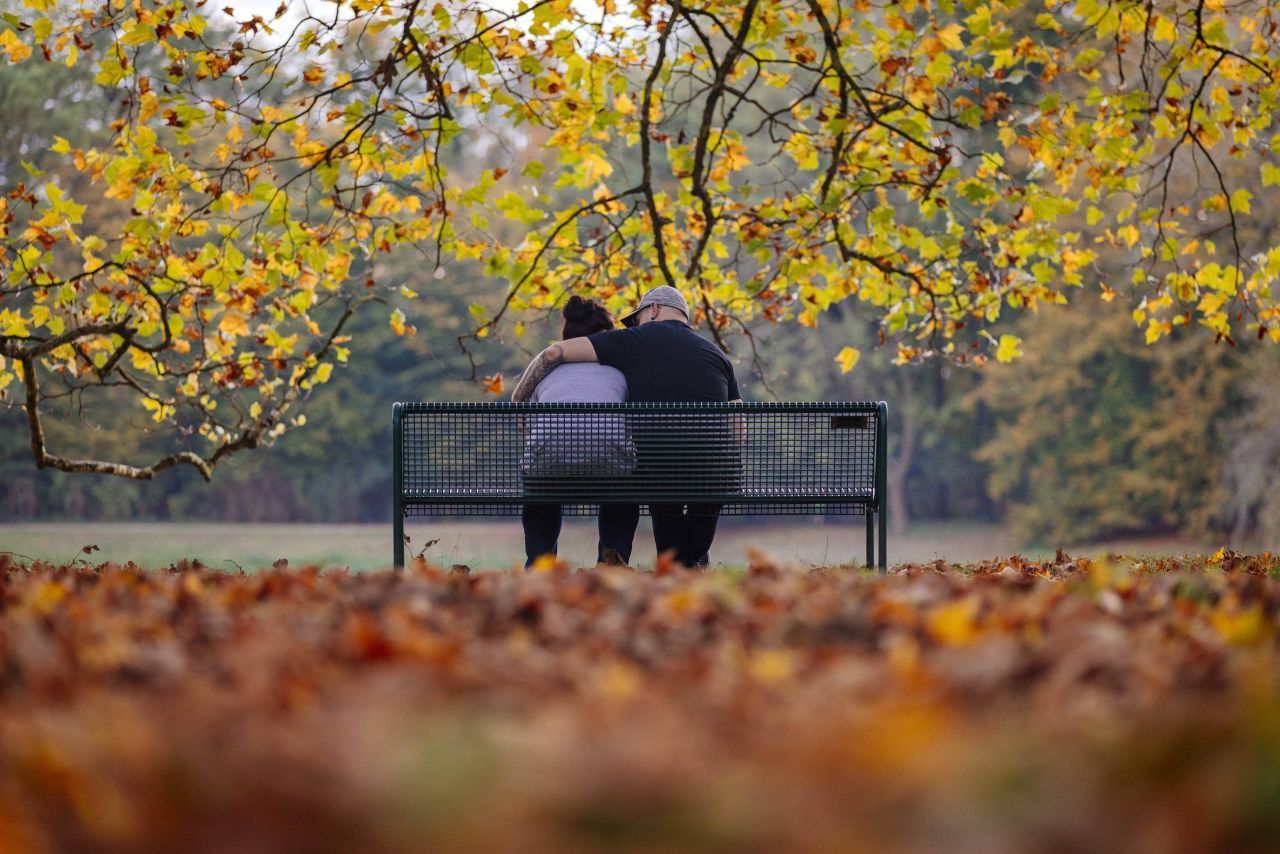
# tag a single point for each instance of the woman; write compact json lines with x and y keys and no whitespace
{"x":575,"y":446}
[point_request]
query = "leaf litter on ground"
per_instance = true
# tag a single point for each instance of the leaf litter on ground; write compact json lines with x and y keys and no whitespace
{"x":1007,"y":705}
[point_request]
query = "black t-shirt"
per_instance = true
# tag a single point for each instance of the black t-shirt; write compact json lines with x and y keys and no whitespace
{"x":665,"y":361}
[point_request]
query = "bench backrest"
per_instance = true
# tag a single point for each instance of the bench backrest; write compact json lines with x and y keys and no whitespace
{"x":492,"y":458}
{"x":747,"y":458}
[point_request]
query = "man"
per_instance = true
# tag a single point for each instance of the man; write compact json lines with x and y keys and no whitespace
{"x":664,"y":361}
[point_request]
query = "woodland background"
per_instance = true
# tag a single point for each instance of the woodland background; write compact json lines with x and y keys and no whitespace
{"x":1091,"y":435}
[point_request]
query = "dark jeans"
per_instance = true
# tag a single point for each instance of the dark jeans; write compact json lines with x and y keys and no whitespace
{"x":542,"y":530}
{"x":686,"y":529}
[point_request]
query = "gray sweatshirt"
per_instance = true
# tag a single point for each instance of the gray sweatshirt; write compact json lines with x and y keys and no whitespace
{"x":579,"y":443}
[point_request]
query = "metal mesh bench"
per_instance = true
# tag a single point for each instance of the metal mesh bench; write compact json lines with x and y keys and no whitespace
{"x":490,"y":459}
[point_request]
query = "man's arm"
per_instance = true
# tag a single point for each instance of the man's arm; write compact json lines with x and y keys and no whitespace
{"x":571,"y":350}
{"x":739,"y":425}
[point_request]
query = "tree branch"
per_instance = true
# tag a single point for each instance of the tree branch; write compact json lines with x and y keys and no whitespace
{"x":646,"y":156}
{"x":251,"y":437}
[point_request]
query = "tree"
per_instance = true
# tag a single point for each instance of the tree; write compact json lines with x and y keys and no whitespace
{"x":937,"y":162}
{"x":1251,"y":464}
{"x":1095,"y":435}
{"x":932,"y":431}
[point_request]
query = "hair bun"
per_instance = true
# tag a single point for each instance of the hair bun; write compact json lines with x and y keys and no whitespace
{"x":578,"y":308}
{"x":585,"y":316}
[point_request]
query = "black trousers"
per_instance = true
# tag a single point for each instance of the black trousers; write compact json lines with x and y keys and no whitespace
{"x":542,"y":530}
{"x":686,"y":529}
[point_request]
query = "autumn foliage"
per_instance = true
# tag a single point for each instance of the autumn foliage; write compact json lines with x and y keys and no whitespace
{"x":1014,"y":705}
{"x":940,"y":164}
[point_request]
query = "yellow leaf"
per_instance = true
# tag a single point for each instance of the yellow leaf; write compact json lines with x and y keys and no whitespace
{"x":14,"y":48}
{"x":548,"y":563}
{"x":1244,"y":627}
{"x":1129,"y":234}
{"x":771,"y":665}
{"x":954,"y":623}
{"x":233,"y":324}
{"x":99,"y":304}
{"x":12,"y":323}
{"x":1008,"y":349}
{"x":847,"y":358}
{"x":1240,"y":201}
{"x":735,"y":156}
{"x":46,"y":596}
{"x":148,"y":105}
{"x":950,"y":36}
{"x":802,"y":151}
{"x":595,"y":166}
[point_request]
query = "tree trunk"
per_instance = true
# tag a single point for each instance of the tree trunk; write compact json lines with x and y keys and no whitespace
{"x":900,"y":464}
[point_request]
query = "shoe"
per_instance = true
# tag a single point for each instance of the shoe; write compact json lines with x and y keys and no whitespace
{"x":610,"y":557}
{"x":703,"y":562}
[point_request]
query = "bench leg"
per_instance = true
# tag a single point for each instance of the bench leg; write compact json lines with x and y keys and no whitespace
{"x":397,"y":486}
{"x":884,"y":540}
{"x":871,"y":539}
{"x":397,"y":531}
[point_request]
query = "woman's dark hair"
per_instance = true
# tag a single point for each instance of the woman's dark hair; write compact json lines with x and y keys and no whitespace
{"x":585,"y":317}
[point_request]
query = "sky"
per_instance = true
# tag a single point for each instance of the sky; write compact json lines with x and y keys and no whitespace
{"x":267,"y":8}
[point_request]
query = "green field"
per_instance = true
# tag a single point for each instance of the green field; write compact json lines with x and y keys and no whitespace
{"x":495,"y":545}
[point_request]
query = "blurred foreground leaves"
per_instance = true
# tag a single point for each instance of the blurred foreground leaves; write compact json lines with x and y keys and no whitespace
{"x":1014,"y":705}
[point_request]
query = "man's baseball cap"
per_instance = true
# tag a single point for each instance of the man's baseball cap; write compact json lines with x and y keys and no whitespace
{"x":661,"y":295}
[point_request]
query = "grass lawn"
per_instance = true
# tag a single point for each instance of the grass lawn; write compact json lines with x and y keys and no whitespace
{"x":489,"y":545}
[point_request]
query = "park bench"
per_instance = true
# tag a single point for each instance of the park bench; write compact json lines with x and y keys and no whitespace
{"x":790,"y":459}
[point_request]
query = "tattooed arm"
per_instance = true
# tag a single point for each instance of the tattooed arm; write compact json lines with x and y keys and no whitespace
{"x":570,"y":350}
{"x":739,"y":425}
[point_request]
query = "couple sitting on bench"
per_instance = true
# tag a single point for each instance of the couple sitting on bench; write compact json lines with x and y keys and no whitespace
{"x":657,"y":358}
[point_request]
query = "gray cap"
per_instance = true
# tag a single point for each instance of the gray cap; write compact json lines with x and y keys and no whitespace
{"x":661,"y":295}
